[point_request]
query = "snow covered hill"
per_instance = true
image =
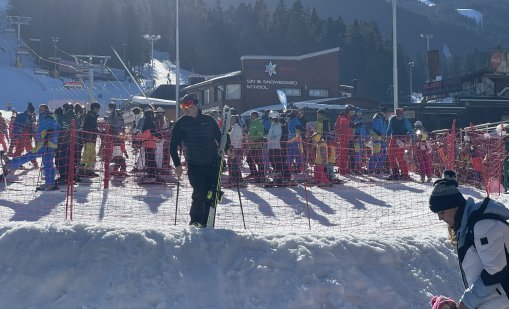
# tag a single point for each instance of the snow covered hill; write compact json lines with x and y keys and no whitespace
{"x":80,"y":266}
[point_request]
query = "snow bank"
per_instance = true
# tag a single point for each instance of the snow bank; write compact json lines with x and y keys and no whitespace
{"x":81,"y":266}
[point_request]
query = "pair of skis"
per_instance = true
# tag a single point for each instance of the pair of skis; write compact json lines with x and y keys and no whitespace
{"x":217,"y":194}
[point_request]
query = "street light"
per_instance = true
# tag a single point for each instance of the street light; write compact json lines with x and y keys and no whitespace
{"x":394,"y":55}
{"x":177,"y":60}
{"x":124,"y":45}
{"x":152,"y":38}
{"x":411,"y":64}
{"x":428,"y":37}
{"x":55,"y":41}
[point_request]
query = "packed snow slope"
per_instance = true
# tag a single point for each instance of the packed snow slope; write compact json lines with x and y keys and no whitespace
{"x":66,"y":266}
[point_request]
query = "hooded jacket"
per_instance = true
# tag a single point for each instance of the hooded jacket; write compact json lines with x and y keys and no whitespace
{"x":484,"y":265}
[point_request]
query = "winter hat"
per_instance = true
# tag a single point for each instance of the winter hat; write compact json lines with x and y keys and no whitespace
{"x":30,"y":107}
{"x":438,"y":301}
{"x":445,"y":194}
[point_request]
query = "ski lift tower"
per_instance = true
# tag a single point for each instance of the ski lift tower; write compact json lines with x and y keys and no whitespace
{"x":19,"y":20}
{"x":89,"y":61}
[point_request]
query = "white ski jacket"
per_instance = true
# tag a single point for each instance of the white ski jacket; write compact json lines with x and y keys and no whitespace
{"x":484,"y":265}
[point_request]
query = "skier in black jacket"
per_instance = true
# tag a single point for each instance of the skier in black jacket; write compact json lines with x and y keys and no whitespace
{"x":200,"y":136}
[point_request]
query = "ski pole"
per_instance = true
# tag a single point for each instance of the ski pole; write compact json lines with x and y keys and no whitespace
{"x":38,"y":178}
{"x":3,"y":169}
{"x":177,"y":200}
{"x":241,"y":208}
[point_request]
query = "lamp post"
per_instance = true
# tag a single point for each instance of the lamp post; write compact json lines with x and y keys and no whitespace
{"x":55,"y":42}
{"x":152,"y":38}
{"x":394,"y":55}
{"x":177,"y":62}
{"x":428,"y":37}
{"x":411,"y":64}
{"x":123,"y":46}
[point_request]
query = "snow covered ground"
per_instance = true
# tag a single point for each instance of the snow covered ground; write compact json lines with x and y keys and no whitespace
{"x":356,"y":246}
{"x":371,"y":245}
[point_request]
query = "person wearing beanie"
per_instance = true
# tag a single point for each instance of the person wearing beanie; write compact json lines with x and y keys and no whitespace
{"x":200,"y":135}
{"x":481,"y":235}
{"x":442,"y":302}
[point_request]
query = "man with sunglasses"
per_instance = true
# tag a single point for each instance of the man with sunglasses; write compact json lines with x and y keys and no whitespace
{"x":200,"y":135}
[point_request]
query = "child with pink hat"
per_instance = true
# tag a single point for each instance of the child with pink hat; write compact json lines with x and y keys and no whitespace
{"x":442,"y":302}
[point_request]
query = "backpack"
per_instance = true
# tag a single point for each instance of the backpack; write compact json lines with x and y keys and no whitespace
{"x":475,"y":217}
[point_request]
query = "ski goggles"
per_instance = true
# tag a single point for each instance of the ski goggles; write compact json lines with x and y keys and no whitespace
{"x":186,"y":104}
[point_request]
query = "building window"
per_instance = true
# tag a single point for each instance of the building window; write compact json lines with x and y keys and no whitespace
{"x":292,"y":92}
{"x":218,"y":94}
{"x":206,"y":97}
{"x":318,"y":93}
{"x":233,"y":92}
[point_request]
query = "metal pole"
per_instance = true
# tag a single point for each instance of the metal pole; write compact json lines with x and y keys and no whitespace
{"x":152,"y":51}
{"x":411,"y":64}
{"x":177,"y":63}
{"x":394,"y":56}
{"x":91,"y":81}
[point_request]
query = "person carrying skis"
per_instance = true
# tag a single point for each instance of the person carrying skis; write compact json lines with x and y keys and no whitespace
{"x":480,"y":233}
{"x":47,"y":140}
{"x":200,"y":135}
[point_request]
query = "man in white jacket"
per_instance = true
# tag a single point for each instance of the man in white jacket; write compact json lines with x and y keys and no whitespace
{"x":481,"y":234}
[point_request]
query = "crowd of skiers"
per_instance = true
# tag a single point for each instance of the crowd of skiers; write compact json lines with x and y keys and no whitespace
{"x":67,"y":138}
{"x":275,"y":145}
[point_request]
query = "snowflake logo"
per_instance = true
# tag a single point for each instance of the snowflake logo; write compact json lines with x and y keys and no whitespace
{"x":271,"y":69}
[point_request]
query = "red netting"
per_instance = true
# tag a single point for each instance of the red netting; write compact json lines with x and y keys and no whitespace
{"x":308,"y":183}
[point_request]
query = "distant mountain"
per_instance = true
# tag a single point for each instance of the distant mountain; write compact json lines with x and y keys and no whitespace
{"x":459,"y":34}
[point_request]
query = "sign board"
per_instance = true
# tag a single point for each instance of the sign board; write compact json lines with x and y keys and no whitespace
{"x":441,"y":87}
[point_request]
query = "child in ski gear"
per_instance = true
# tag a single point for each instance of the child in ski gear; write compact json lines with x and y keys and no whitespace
{"x":47,"y":140}
{"x":377,"y":161}
{"x":23,"y":131}
{"x":200,"y":135}
{"x":4,"y":134}
{"x":149,"y":138}
{"x":321,"y":160}
{"x":236,"y":137}
{"x":481,"y":235}
{"x":118,"y":153}
{"x":89,"y":136}
{"x":398,"y":130}
{"x":256,"y":139}
{"x":344,"y":137}
{"x":442,"y":302}
{"x":423,"y":152}
{"x":277,"y":161}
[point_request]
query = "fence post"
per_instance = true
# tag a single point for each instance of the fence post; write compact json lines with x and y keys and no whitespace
{"x":108,"y":150}
{"x":70,"y":173}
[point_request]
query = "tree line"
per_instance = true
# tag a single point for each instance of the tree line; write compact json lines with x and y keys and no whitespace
{"x":213,"y":38}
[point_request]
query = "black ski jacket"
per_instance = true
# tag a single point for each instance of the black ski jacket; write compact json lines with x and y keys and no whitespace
{"x":200,"y":137}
